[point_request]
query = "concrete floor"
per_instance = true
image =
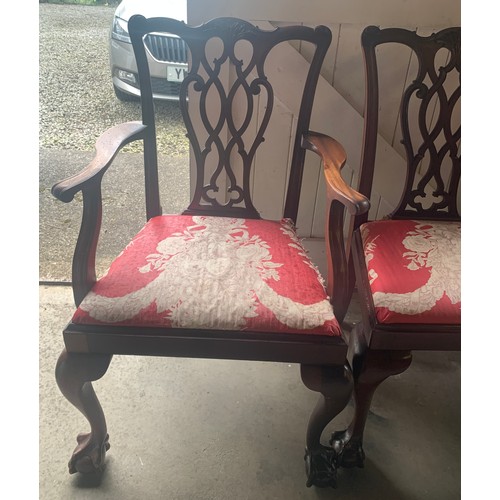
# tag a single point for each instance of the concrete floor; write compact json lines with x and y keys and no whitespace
{"x":209,"y":429}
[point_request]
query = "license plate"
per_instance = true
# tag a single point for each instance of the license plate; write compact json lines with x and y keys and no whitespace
{"x":176,"y":73}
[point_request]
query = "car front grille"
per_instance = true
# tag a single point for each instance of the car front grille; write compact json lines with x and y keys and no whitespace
{"x":167,"y":48}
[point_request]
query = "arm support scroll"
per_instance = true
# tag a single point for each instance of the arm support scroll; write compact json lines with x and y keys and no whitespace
{"x":341,"y":198}
{"x":334,"y":157}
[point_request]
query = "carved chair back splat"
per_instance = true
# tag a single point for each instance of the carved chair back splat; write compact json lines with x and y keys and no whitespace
{"x":224,"y":142}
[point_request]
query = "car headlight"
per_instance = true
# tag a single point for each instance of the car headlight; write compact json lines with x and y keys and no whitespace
{"x":119,"y":30}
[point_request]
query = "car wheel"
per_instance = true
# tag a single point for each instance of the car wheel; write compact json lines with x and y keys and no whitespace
{"x":123,"y":96}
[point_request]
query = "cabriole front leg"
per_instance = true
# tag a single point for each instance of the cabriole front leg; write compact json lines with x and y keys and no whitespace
{"x":370,"y":369}
{"x":334,"y":383}
{"x":74,"y":374}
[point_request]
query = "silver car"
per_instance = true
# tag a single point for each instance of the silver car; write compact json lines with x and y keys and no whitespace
{"x":167,"y":53}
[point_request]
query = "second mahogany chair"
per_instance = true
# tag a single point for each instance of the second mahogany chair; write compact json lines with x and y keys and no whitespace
{"x":406,"y":262}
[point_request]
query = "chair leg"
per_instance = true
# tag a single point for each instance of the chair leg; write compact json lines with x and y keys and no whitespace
{"x":335,"y":385}
{"x":370,"y":369}
{"x":74,"y":373}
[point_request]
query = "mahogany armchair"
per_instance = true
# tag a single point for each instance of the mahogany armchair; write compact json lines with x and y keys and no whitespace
{"x":406,"y":262}
{"x":217,"y":281}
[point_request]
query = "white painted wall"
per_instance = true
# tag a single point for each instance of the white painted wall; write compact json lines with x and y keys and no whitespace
{"x":380,"y":12}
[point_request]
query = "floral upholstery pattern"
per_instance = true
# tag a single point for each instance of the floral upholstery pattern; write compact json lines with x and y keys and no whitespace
{"x":212,"y":273}
{"x":414,"y":270}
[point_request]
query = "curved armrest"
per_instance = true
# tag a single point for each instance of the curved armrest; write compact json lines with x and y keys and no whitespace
{"x":334,"y":157}
{"x":89,"y":182}
{"x":107,"y":147}
{"x":340,"y":280}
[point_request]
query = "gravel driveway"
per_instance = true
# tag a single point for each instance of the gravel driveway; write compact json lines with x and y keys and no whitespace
{"x":77,"y":102}
{"x":76,"y":105}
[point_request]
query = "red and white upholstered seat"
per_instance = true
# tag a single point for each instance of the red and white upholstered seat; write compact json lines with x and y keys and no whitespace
{"x":414,"y":270}
{"x":209,"y":272}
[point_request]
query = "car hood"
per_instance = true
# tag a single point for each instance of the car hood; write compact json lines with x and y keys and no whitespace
{"x":176,"y":9}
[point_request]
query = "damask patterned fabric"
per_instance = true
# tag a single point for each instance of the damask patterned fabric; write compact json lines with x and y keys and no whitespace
{"x":212,"y":273}
{"x":414,"y":270}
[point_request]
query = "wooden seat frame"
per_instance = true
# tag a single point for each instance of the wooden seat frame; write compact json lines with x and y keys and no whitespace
{"x":89,"y":348}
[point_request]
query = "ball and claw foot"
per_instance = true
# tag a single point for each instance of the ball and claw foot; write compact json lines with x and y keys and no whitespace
{"x":321,"y":467}
{"x":88,"y":457}
{"x":349,"y":450}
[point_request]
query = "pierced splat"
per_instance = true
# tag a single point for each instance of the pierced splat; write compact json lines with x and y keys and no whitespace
{"x":429,"y":108}
{"x":243,"y":82}
{"x":438,"y":141}
{"x":227,"y":101}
